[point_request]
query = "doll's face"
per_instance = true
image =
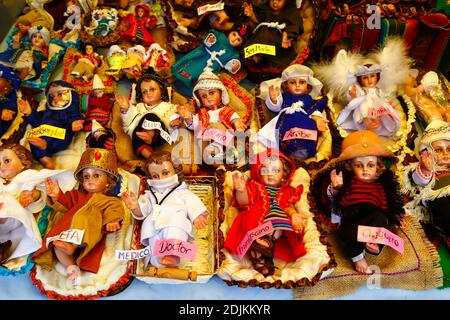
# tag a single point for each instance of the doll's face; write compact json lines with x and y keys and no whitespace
{"x":161,"y":171}
{"x":5,"y":87}
{"x":10,"y":164}
{"x":89,"y":49}
{"x":442,"y":152}
{"x":369,"y":81}
{"x":184,"y":3}
{"x":59,"y":98}
{"x":209,"y":97}
{"x":272,"y":172}
{"x":94,"y":180}
{"x":37,"y":40}
{"x":235,"y":38}
{"x":151,"y":92}
{"x":372,"y":123}
{"x":23,"y":27}
{"x":140,"y":12}
{"x":277,"y":5}
{"x":297,"y":86}
{"x":365,"y":168}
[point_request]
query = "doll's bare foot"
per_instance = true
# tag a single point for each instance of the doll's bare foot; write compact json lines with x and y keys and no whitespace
{"x":264,"y":242}
{"x":372,"y":248}
{"x":73,"y":272}
{"x":169,"y":261}
{"x":48,"y":162}
{"x":38,"y":143}
{"x":362,"y":266}
{"x":68,"y":247}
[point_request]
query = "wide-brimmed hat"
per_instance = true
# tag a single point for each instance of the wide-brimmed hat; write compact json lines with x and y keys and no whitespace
{"x":362,"y":144}
{"x":103,"y":159}
{"x":436,"y":130}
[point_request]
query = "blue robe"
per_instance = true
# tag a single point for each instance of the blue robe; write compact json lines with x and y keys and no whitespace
{"x":9,"y":102}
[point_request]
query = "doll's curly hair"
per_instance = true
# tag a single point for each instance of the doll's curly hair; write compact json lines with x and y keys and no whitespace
{"x":159,"y":157}
{"x":21,"y":152}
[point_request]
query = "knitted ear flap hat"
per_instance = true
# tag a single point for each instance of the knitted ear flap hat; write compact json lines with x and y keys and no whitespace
{"x":362,"y":144}
{"x":436,"y":130}
{"x":208,"y":80}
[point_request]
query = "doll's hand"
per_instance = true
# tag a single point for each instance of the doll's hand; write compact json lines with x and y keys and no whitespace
{"x":235,"y":66}
{"x":113,"y":226}
{"x":286,"y":42}
{"x":131,"y":200}
{"x":146,"y":136}
{"x":321,"y":123}
{"x":185,"y":22}
{"x":175,"y":123}
{"x":426,"y":162}
{"x":184,"y":112}
{"x":52,"y":188}
{"x":24,"y":106}
{"x":8,"y":115}
{"x":298,"y":222}
{"x":239,"y":182}
{"x":274,"y":92}
{"x":337,"y":181}
{"x":44,"y":64}
{"x":352,"y":91}
{"x":123,"y":103}
{"x":248,"y":10}
{"x":239,"y":125}
{"x":26,"y":198}
{"x":200,"y":222}
{"x":77,"y":125}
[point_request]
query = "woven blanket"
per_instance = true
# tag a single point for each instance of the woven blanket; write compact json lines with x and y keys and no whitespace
{"x":417,"y":269}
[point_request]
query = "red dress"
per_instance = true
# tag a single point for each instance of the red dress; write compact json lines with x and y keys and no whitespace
{"x":138,"y":30}
{"x":289,"y":247}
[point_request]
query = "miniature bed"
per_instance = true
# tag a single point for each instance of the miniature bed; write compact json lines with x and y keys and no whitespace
{"x":206,"y":262}
{"x":305,"y":271}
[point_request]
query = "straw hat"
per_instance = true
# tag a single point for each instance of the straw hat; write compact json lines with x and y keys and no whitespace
{"x":436,"y":130}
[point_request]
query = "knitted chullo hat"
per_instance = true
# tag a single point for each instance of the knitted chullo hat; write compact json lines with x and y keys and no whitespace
{"x":436,"y":130}
{"x":208,"y":80}
{"x":97,"y":83}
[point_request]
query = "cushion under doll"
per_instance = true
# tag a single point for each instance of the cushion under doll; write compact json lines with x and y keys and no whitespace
{"x":268,"y":198}
{"x":31,"y":57}
{"x":296,"y":128}
{"x":217,"y":51}
{"x":363,"y":191}
{"x":90,"y":209}
{"x":9,"y":83}
{"x":62,"y":114}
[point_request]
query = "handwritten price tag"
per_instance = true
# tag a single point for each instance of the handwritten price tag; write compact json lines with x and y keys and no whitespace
{"x":381,"y":236}
{"x":251,"y":236}
{"x":174,"y":247}
{"x":132,"y":254}
{"x":210,"y":7}
{"x":299,"y":133}
{"x":47,"y":131}
{"x":259,"y":48}
{"x":74,"y":236}
{"x":217,"y":135}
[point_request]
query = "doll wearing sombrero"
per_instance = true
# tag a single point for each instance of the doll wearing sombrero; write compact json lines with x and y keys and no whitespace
{"x":91,"y":208}
{"x":363,"y":191}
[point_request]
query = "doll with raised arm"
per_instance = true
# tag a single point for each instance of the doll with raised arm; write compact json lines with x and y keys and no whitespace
{"x":19,"y":200}
{"x":277,"y":23}
{"x":31,"y":58}
{"x":62,"y":113}
{"x":149,"y":120}
{"x":168,"y":209}
{"x":296,"y":128}
{"x":212,"y":99}
{"x":268,"y":197}
{"x":363,"y":191}
{"x":86,"y":63}
{"x":9,"y":83}
{"x":433,"y":174}
{"x":139,"y":25}
{"x":91,"y":209}
{"x":217,"y":51}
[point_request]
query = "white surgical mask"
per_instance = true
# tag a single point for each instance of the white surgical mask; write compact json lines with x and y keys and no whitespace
{"x":163,"y":184}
